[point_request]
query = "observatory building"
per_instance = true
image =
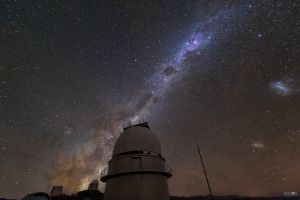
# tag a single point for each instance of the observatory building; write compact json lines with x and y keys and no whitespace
{"x":137,"y":170}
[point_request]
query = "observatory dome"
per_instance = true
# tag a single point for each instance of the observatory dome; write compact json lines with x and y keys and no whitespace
{"x":137,"y":138}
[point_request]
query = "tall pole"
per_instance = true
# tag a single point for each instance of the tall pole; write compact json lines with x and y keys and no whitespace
{"x":211,"y":196}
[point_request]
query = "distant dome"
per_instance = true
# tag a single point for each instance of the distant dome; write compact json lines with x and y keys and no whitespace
{"x":137,"y":138}
{"x":93,"y":185}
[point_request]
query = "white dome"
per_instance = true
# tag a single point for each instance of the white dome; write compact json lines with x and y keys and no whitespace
{"x":137,"y":138}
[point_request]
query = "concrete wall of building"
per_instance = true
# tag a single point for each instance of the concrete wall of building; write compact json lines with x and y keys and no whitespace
{"x":136,"y":163}
{"x":137,"y":187}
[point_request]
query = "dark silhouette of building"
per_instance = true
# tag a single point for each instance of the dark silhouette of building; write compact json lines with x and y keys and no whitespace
{"x":37,"y":196}
{"x":137,"y":170}
{"x":93,"y":185}
{"x":92,"y":193}
{"x":57,"y":191}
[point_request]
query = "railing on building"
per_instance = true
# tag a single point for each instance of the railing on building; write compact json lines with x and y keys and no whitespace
{"x":105,"y":173}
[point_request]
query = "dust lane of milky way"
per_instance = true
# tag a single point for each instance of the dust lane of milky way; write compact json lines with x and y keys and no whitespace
{"x":76,"y":171}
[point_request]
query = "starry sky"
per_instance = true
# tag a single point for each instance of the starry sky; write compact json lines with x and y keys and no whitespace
{"x":74,"y":73}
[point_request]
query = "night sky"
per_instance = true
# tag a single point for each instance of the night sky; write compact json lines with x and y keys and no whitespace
{"x":74,"y":73}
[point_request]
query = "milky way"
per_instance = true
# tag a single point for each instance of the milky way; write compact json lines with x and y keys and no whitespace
{"x":75,"y":73}
{"x":136,"y":110}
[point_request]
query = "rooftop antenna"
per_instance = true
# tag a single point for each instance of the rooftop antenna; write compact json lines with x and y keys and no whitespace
{"x":211,"y":196}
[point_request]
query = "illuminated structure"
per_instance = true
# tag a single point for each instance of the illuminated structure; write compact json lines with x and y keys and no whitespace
{"x":137,"y":170}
